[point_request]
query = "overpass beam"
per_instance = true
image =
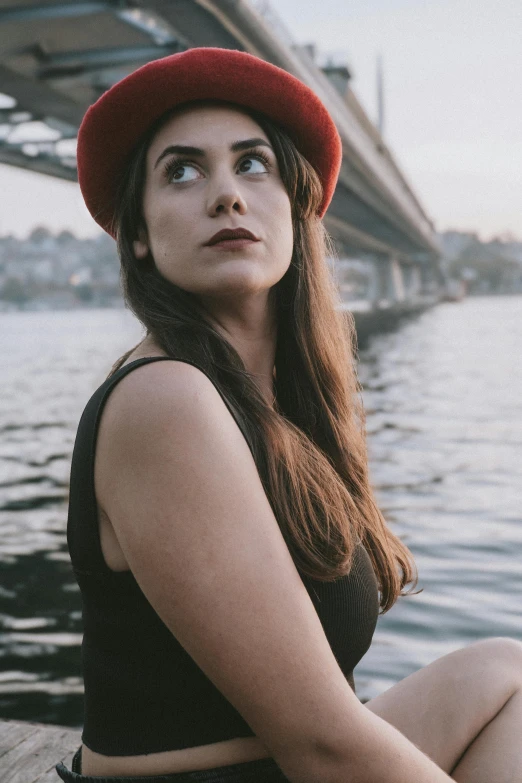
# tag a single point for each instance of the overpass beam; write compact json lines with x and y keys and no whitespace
{"x":42,"y":99}
{"x":42,"y":163}
{"x":67,"y":64}
{"x":30,"y":13}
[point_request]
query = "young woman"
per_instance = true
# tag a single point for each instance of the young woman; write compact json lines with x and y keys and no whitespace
{"x":222,"y":528}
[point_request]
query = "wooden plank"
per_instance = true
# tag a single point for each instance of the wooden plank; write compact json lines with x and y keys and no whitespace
{"x":13,"y":732}
{"x":32,"y":750}
{"x":52,"y":775}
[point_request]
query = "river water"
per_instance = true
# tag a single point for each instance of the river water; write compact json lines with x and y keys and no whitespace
{"x":443,"y":397}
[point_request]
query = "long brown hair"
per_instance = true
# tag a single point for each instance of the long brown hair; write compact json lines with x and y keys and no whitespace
{"x":310,"y":450}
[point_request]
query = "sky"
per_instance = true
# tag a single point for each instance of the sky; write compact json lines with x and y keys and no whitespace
{"x":453,"y":109}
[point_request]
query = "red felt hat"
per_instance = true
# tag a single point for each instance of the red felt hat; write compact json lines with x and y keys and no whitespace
{"x":112,"y":127}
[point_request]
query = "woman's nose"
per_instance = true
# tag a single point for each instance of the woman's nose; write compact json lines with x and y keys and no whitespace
{"x":227,"y":198}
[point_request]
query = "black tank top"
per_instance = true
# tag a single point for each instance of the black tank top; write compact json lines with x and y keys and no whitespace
{"x":143,"y":692}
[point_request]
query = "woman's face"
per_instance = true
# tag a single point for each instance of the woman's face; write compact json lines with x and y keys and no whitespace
{"x":222,"y":182}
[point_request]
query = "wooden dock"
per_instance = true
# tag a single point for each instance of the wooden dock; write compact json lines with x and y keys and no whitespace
{"x":29,"y":752}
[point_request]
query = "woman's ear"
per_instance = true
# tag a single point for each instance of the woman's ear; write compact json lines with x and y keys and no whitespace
{"x":141,"y":245}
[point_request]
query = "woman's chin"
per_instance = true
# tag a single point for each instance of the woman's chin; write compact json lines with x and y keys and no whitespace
{"x":243,"y":282}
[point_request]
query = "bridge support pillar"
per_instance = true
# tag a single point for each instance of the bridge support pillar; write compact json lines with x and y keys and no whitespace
{"x":388,"y":281}
{"x":412,"y":280}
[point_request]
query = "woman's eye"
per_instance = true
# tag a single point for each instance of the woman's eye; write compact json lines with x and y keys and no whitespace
{"x":253,"y":165}
{"x":181,"y":172}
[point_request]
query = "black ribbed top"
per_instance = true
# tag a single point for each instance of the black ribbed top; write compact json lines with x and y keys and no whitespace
{"x":143,"y":692}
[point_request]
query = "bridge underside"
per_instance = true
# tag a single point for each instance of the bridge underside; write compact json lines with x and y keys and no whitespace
{"x":56,"y":58}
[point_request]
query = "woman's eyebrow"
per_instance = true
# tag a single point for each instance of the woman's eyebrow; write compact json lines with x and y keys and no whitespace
{"x":237,"y":146}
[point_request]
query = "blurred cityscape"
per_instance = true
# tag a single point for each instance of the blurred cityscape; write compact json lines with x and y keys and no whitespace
{"x":47,"y":271}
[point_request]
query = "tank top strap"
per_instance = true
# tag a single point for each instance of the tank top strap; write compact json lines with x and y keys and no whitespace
{"x":83,"y":536}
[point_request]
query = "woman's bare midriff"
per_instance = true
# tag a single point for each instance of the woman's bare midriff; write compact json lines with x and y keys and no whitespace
{"x":218,"y":754}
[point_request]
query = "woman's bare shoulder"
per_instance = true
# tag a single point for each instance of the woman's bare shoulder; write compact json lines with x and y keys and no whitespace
{"x":157,"y":392}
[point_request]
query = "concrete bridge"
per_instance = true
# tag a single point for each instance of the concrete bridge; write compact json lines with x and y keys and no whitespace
{"x":58,"y":56}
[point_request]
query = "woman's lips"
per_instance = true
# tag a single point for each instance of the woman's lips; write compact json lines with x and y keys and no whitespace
{"x":234,"y":244}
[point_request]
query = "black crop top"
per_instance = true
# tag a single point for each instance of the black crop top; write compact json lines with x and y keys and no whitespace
{"x":143,"y":692}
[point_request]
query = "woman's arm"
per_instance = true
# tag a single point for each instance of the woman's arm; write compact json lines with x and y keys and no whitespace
{"x":182,"y":491}
{"x":365,"y":749}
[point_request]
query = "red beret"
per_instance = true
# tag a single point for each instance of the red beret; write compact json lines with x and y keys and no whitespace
{"x":112,"y":127}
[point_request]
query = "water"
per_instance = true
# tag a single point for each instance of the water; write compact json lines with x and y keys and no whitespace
{"x":443,"y":397}
{"x":50,"y":365}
